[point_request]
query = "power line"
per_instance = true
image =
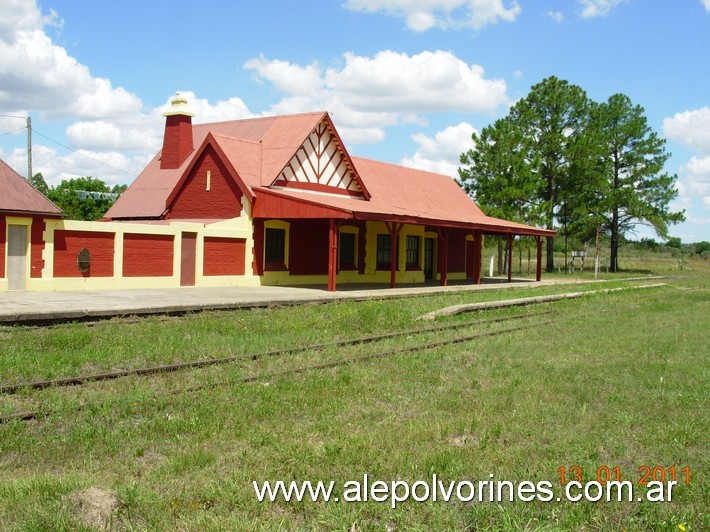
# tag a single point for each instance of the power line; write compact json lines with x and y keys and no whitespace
{"x":82,"y":154}
{"x":13,"y":131}
{"x":14,"y":116}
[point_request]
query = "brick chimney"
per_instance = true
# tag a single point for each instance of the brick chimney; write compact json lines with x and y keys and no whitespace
{"x":177,"y":142}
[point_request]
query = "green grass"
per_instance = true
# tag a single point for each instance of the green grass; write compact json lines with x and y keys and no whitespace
{"x":617,"y":380}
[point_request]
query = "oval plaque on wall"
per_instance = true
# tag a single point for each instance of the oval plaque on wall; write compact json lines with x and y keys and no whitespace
{"x":83,"y":260}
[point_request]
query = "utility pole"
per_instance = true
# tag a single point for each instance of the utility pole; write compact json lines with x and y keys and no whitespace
{"x":29,"y":148}
{"x":596,"y":259}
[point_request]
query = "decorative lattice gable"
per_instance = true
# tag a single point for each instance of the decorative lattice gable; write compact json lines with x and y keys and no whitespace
{"x":321,"y":164}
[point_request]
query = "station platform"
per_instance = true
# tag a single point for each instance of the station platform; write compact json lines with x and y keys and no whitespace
{"x":46,"y":307}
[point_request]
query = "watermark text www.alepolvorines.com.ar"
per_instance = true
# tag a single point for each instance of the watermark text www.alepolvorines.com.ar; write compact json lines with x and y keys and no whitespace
{"x":436,"y":490}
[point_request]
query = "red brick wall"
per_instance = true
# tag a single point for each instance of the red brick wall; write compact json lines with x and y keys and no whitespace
{"x":224,"y":256}
{"x":67,"y":245}
{"x":308,"y":247}
{"x":147,"y":255}
{"x":223,"y":200}
{"x":3,"y":231}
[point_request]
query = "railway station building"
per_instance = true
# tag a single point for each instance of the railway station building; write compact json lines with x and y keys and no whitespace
{"x":275,"y":201}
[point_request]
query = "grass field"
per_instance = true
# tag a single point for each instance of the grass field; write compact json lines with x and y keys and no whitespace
{"x":618,"y":380}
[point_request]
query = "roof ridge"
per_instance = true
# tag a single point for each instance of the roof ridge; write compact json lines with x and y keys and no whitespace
{"x":264,"y":117}
{"x":10,"y":175}
{"x":230,"y":137}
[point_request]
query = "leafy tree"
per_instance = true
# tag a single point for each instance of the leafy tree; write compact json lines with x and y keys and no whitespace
{"x":84,"y":198}
{"x":521,"y":165}
{"x":702,"y":247}
{"x":498,"y":175}
{"x":674,"y":242}
{"x":560,"y":158}
{"x":39,"y":183}
{"x":626,"y":185}
{"x":649,"y":243}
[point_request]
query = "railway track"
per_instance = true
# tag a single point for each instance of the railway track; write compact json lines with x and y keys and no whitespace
{"x":13,"y":388}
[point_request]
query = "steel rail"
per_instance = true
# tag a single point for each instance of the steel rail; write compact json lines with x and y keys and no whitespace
{"x":8,"y":389}
{"x":30,"y":415}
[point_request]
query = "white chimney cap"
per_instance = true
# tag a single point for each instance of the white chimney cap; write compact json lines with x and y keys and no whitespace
{"x":178,"y":106}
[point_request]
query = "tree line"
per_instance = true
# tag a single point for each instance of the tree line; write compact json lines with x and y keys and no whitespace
{"x":81,"y":198}
{"x":563,"y":161}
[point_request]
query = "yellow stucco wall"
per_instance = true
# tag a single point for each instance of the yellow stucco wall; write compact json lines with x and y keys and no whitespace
{"x":240,"y":227}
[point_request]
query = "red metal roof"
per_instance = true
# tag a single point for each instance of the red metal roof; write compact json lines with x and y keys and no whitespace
{"x":257,"y":151}
{"x":18,"y":196}
{"x":398,"y":194}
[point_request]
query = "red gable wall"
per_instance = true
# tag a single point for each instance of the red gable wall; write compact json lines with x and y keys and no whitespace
{"x":222,"y":200}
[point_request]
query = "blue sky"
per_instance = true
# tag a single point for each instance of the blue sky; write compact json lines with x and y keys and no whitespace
{"x":406,"y":81}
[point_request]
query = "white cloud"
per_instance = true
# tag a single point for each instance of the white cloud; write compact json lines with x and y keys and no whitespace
{"x":43,"y":77}
{"x":693,"y":184}
{"x":429,"y":81}
{"x":110,"y":125}
{"x":110,"y":166}
{"x":232,"y":109}
{"x":21,"y":15}
{"x":690,"y":128}
{"x":598,"y":8}
{"x":683,"y":201}
{"x":441,"y":154}
{"x":15,"y":123}
{"x":422,"y":15}
{"x":144,"y":134}
{"x":706,"y":3}
{"x":116,"y":150}
{"x":556,"y":16}
{"x":288,"y":77}
{"x":40,"y":76}
{"x":366,"y":94}
{"x":697,"y":172}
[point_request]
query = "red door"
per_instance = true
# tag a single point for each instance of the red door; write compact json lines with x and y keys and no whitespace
{"x":187,"y":259}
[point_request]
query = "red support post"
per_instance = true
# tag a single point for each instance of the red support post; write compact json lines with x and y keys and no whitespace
{"x":477,"y":250}
{"x":361,"y":247}
{"x":538,"y":272}
{"x":332,"y":254}
{"x":257,"y":263}
{"x":510,"y":257}
{"x":394,"y":228}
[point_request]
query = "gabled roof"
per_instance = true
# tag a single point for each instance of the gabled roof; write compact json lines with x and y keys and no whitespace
{"x":398,"y":194}
{"x":276,"y":137}
{"x":18,"y":196}
{"x":322,"y":164}
{"x":228,"y":150}
{"x":262,"y":153}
